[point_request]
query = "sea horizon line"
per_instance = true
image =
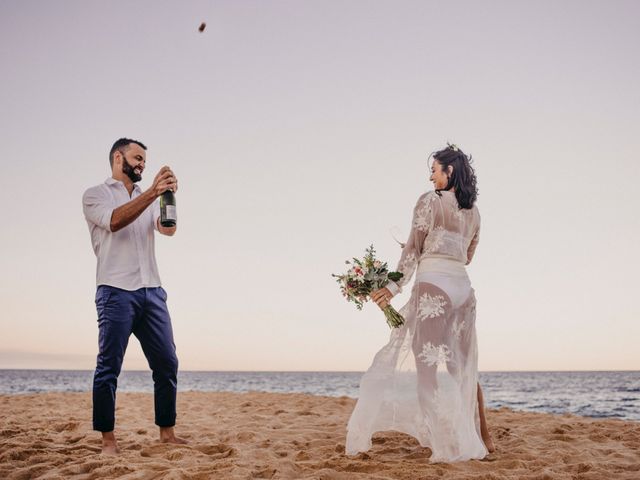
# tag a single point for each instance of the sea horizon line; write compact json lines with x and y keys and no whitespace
{"x":308,"y":371}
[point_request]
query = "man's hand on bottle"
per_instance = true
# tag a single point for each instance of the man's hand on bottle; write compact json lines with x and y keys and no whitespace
{"x":165,"y":180}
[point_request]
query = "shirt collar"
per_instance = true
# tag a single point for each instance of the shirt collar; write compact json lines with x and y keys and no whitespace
{"x":113,"y":181}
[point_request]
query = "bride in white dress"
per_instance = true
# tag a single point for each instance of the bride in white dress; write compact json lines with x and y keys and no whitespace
{"x":424,"y":382}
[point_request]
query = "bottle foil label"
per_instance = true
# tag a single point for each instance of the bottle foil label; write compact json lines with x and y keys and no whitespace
{"x":172,"y":213}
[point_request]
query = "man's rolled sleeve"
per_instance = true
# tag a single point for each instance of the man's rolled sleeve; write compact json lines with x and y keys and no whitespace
{"x":155,"y":210}
{"x":97,"y":206}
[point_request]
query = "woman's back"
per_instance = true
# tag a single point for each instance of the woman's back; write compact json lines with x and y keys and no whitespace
{"x":451,"y":232}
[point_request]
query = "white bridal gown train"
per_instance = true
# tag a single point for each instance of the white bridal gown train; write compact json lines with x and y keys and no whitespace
{"x":423,"y":382}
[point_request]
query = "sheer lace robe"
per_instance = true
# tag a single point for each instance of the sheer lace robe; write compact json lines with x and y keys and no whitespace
{"x":423,"y":382}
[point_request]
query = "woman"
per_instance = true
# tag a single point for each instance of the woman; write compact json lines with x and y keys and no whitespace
{"x":424,"y":382}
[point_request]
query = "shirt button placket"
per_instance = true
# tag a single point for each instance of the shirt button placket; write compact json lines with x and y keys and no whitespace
{"x":137,"y":236}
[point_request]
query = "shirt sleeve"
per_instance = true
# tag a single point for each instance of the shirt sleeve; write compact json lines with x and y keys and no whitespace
{"x":155,"y":213}
{"x":421,"y":224}
{"x":97,"y":206}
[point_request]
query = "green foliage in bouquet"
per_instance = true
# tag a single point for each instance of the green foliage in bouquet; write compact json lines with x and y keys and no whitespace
{"x":363,"y":277}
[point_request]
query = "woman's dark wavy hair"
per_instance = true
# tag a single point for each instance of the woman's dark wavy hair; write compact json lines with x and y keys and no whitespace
{"x":463,"y":178}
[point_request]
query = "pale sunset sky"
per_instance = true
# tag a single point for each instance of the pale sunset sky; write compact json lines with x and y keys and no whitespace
{"x":299,"y":132}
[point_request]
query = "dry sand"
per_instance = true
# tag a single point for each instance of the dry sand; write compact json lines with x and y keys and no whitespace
{"x":266,"y":435}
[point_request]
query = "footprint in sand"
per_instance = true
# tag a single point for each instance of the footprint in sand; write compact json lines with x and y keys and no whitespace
{"x":31,"y":472}
{"x":75,"y":438}
{"x":582,"y":467}
{"x":168,"y":451}
{"x":220,"y":450}
{"x":20,"y":455}
{"x":245,"y":436}
{"x":301,"y":456}
{"x":179,"y":454}
{"x":80,"y":468}
{"x":357,"y":467}
{"x":264,"y":473}
{"x":155,"y":450}
{"x":65,"y":426}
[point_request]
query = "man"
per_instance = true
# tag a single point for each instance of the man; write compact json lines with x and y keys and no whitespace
{"x":129,"y":298}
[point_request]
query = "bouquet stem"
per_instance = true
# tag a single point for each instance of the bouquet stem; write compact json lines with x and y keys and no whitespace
{"x":394,"y":319}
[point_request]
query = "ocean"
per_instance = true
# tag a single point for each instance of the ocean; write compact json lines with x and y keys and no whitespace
{"x":591,"y":394}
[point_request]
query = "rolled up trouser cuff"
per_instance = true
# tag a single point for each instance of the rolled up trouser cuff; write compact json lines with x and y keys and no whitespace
{"x":103,"y":418}
{"x":104,"y":427}
{"x":166,"y":422}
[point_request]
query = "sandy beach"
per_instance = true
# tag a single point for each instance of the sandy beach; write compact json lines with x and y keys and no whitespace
{"x":266,"y":435}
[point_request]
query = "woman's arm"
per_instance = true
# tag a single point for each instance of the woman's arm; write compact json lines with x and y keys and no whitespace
{"x":420,"y":226}
{"x":472,"y":246}
{"x":474,"y":241}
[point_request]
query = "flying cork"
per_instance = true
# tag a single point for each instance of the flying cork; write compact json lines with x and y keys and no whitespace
{"x":202,"y":27}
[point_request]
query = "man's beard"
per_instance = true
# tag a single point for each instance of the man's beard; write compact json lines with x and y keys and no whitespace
{"x":128,"y":170}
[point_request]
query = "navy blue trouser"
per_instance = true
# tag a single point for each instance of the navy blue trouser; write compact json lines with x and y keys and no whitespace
{"x":144,"y":313}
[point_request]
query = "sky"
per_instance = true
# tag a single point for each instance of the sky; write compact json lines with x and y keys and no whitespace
{"x":299,"y":132}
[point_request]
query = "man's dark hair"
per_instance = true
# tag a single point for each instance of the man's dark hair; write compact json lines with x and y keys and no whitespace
{"x":120,"y":144}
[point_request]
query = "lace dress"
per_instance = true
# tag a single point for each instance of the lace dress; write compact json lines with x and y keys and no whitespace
{"x":423,"y":382}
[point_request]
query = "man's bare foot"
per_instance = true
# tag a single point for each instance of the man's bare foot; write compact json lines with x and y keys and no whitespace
{"x":109,"y":444}
{"x":167,"y":435}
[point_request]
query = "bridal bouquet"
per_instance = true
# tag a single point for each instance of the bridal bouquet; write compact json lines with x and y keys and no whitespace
{"x":363,"y":277}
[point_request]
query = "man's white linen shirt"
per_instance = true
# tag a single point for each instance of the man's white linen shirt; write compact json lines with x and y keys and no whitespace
{"x":126,"y":258}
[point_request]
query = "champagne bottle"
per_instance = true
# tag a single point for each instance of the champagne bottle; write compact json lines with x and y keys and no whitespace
{"x":168,"y":212}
